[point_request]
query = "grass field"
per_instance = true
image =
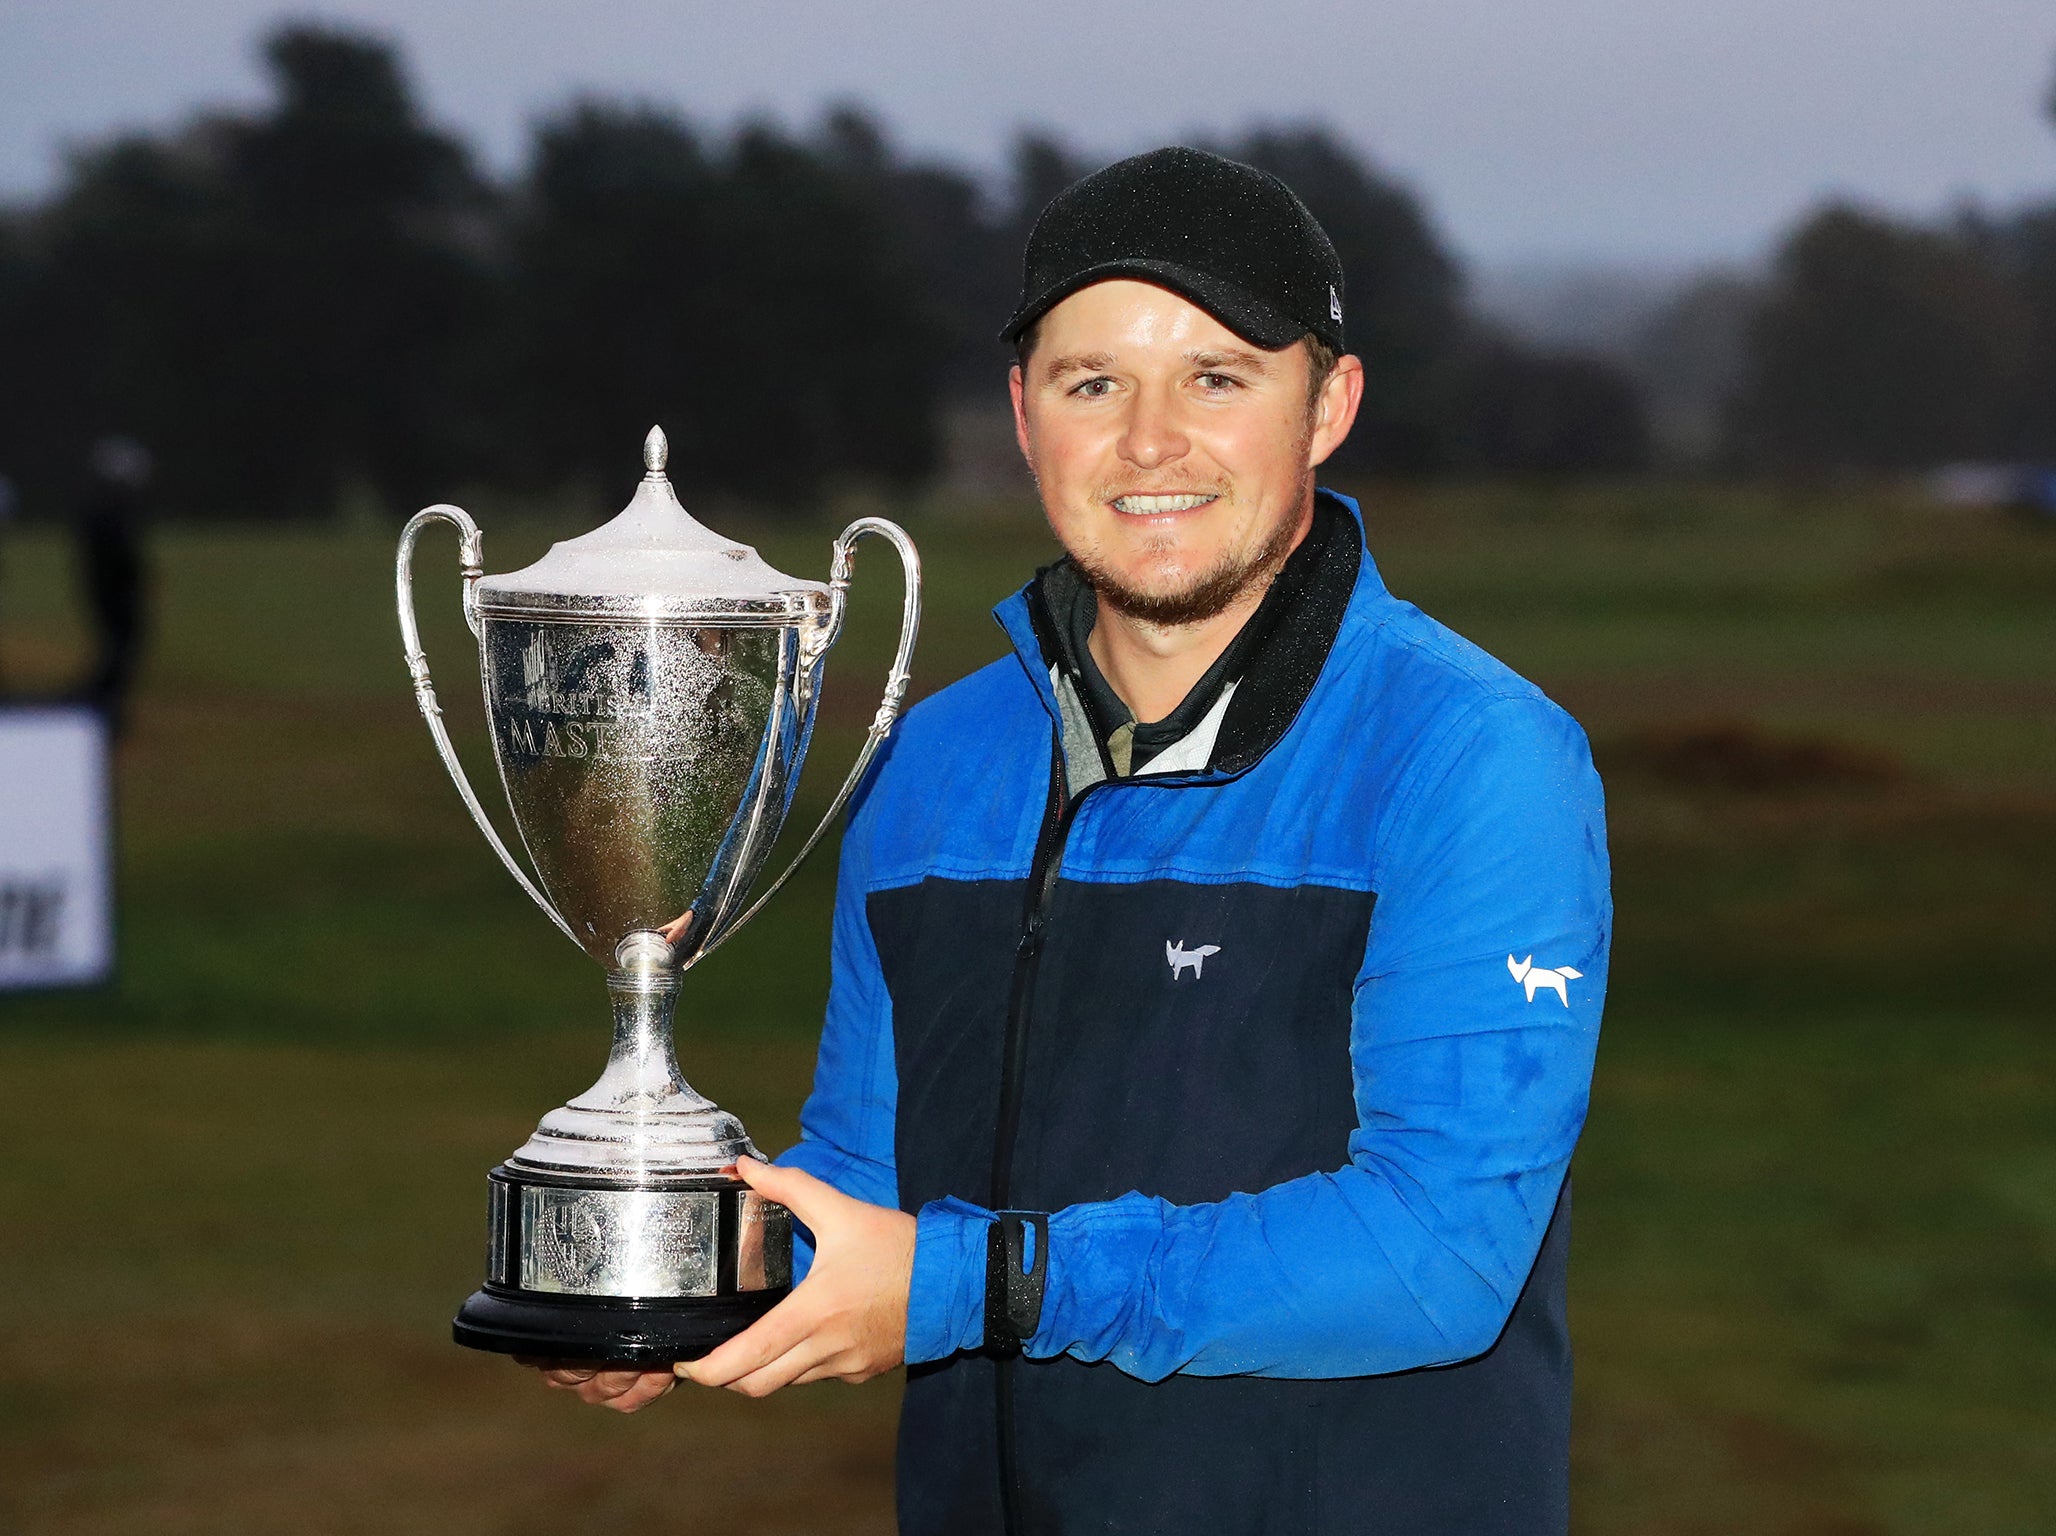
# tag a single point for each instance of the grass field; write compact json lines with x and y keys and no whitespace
{"x":1814,"y":1284}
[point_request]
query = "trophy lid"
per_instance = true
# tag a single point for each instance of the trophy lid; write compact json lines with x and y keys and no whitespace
{"x":654,"y":561}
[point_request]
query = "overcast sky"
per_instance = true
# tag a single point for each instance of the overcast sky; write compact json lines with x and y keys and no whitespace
{"x":1666,"y":131}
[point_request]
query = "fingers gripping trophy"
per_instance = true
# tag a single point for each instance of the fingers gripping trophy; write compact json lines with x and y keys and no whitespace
{"x":651,"y":689}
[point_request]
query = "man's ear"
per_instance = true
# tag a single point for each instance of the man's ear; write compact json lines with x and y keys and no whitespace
{"x":1335,"y":409}
{"x":1016,"y":388}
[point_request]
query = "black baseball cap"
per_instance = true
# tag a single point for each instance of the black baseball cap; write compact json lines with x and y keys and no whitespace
{"x":1234,"y":240}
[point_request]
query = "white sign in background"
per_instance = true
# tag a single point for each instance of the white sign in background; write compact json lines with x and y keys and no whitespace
{"x":56,"y":848}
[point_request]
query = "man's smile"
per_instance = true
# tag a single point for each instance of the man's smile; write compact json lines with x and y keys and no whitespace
{"x":1151,"y":506}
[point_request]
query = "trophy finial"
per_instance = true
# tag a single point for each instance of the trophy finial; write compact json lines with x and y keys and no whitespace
{"x":656,"y":451}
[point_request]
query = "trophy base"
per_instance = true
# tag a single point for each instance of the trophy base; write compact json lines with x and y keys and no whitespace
{"x":640,"y":1273}
{"x":620,"y":1332}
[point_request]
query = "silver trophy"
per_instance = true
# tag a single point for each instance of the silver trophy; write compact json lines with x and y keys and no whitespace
{"x":650,"y":689}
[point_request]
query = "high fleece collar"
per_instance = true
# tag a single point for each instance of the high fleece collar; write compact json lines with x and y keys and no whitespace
{"x":1282,"y":670}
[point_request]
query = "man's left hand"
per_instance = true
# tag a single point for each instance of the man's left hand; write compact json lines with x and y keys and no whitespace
{"x":847,"y":1320}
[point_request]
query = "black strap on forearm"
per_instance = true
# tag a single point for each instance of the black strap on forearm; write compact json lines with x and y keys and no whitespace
{"x":1014,"y":1276}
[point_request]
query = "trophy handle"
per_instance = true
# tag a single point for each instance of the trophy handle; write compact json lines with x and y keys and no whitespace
{"x":471,"y":552}
{"x":811,"y":649}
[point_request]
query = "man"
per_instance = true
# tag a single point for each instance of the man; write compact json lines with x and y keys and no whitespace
{"x":7,"y":500}
{"x":112,"y":571}
{"x":1216,"y":980}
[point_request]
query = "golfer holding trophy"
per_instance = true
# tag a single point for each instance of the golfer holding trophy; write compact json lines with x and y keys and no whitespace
{"x":1187,"y":1117}
{"x":650,"y":688}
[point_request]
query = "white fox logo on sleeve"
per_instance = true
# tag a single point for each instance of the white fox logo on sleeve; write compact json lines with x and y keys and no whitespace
{"x":1539,"y":978}
{"x":1182,"y":958}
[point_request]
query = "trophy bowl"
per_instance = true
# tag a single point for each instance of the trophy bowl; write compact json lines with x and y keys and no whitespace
{"x":650,"y":690}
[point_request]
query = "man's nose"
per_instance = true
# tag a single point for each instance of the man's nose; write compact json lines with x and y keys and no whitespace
{"x":1154,"y":435}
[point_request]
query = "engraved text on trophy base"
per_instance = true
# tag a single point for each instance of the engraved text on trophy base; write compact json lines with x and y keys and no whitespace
{"x":619,"y":1242}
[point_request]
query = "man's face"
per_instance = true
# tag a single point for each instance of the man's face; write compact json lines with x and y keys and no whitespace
{"x":1175,"y":460}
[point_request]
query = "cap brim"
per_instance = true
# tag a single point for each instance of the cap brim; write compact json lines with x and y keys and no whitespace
{"x":1242,"y":312}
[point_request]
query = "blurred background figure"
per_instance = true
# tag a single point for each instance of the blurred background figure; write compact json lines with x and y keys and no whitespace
{"x":114,"y":573}
{"x":7,"y":500}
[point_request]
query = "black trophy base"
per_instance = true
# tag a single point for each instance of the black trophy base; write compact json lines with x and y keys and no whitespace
{"x":621,"y":1332}
{"x":592,"y":1269}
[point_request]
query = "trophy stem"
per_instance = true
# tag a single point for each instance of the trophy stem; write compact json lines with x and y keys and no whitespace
{"x":642,"y":1120}
{"x":642,"y":1062}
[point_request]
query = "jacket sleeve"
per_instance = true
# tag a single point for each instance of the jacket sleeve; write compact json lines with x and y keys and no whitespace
{"x":1470,"y":1092}
{"x":846,"y":1125}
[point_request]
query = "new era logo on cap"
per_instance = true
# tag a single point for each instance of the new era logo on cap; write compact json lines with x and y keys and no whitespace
{"x":1334,"y":304}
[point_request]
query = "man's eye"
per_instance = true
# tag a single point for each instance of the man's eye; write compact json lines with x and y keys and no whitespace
{"x":1094,"y":389}
{"x":1219,"y":381}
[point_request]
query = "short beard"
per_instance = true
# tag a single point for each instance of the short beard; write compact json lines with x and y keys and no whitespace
{"x":1212,"y":595}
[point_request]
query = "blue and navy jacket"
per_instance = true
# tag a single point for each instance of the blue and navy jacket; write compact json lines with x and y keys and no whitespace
{"x":1306,"y":1258}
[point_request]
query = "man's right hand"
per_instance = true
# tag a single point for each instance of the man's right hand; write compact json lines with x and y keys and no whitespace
{"x":621,"y":1388}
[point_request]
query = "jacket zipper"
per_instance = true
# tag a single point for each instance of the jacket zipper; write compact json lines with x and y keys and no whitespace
{"x":1058,"y":816}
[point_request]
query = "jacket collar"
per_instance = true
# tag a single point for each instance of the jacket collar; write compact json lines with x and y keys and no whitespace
{"x":1283,"y":668}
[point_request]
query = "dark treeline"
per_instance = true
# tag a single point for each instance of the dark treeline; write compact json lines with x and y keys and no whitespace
{"x":328,"y":299}
{"x":1885,"y":344}
{"x":1873,"y":343}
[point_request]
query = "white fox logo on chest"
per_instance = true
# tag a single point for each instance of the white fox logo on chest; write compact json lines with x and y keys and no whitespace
{"x":1541,"y":978}
{"x":1181,"y":957}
